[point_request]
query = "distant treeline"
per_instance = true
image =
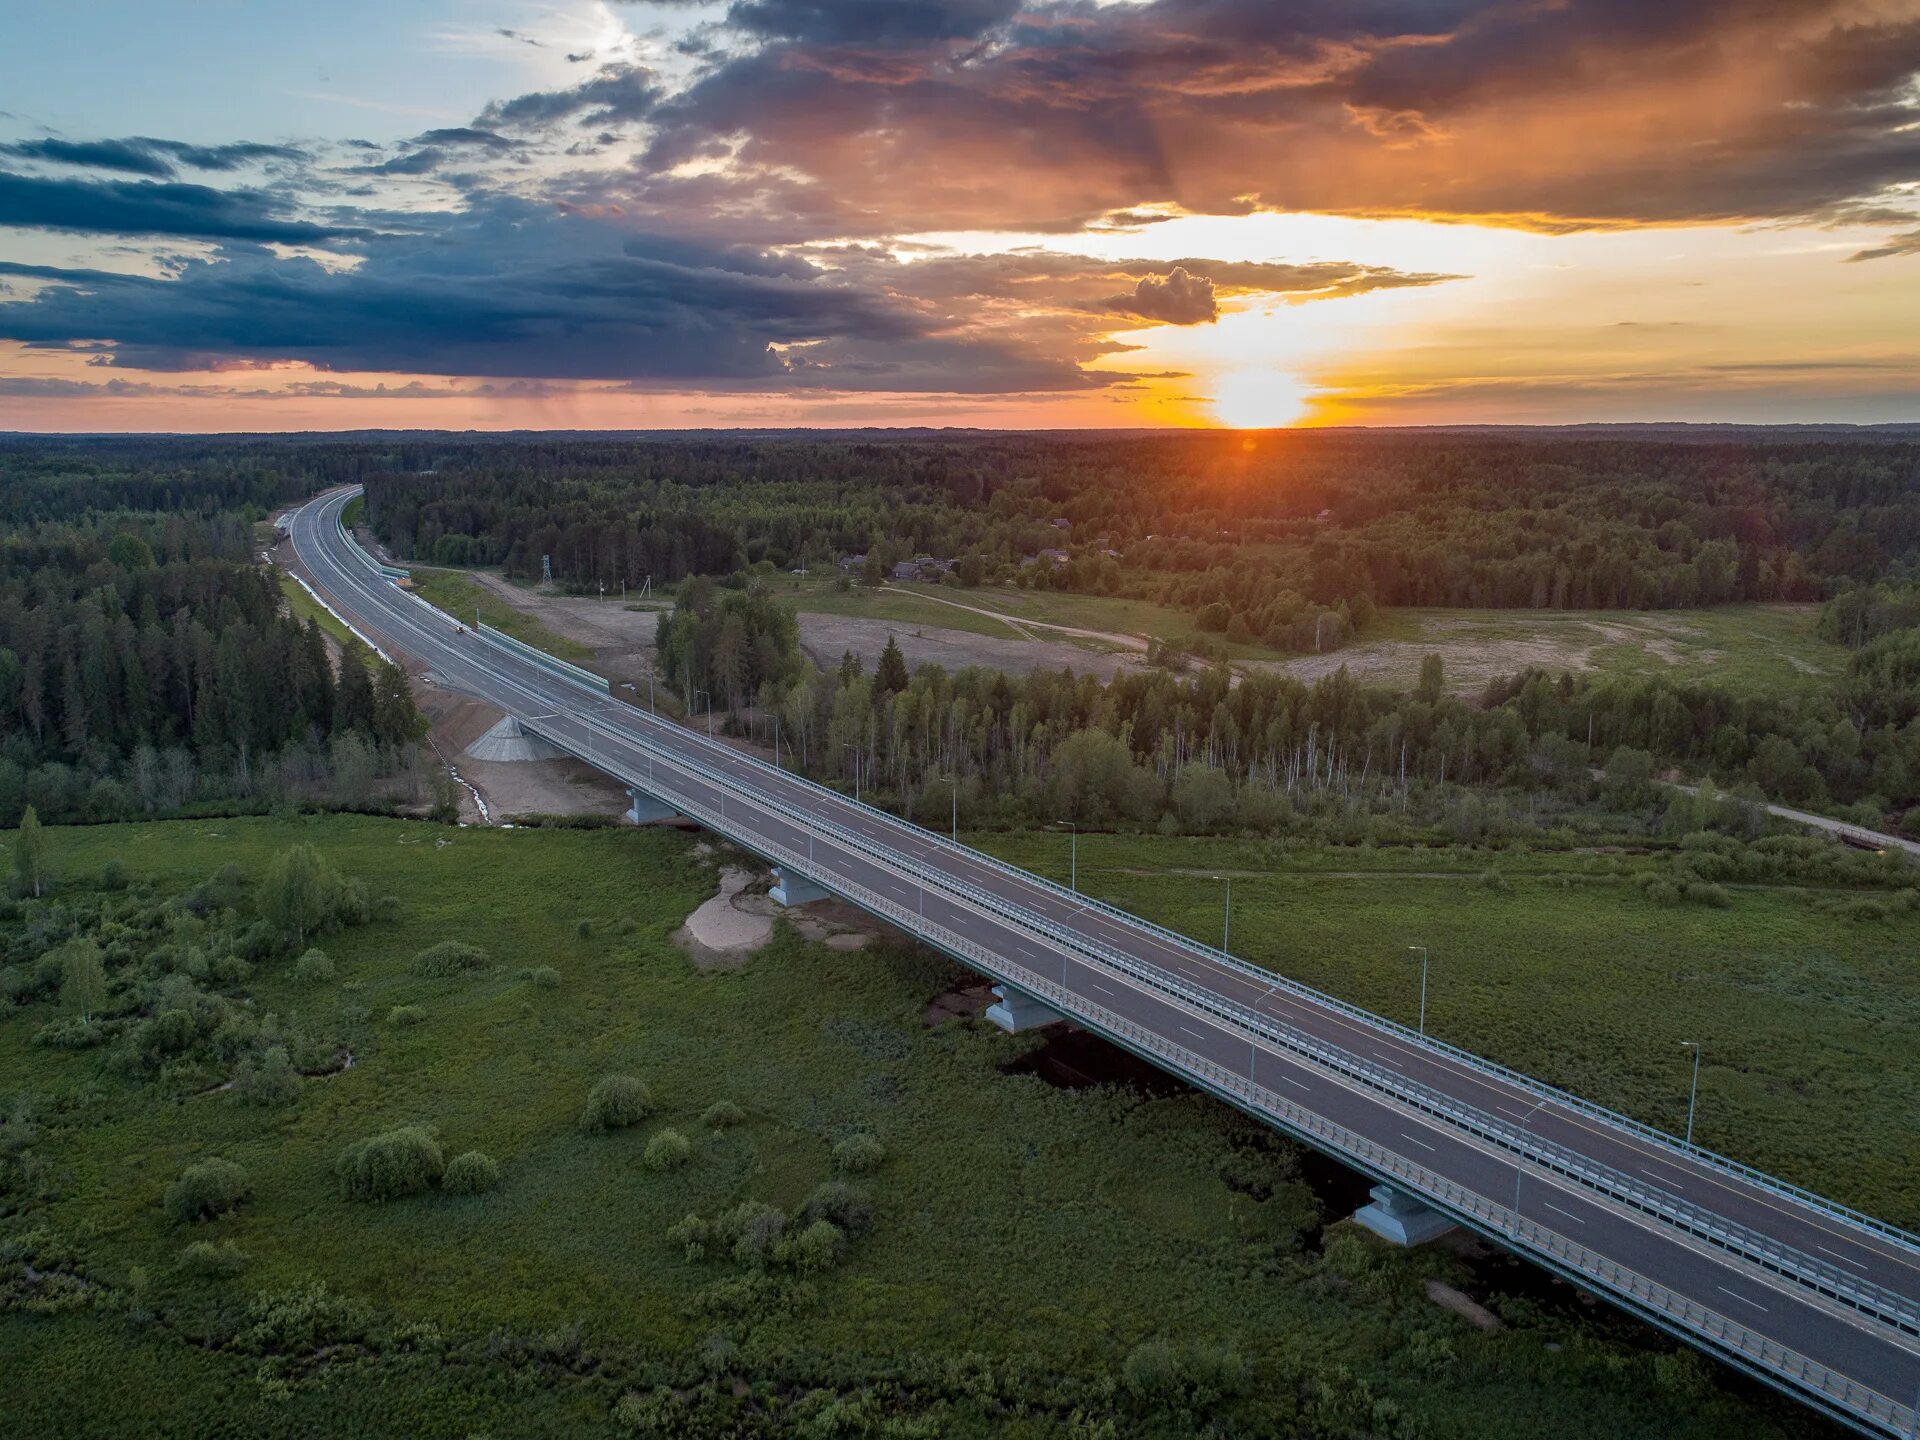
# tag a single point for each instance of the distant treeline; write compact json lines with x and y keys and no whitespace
{"x":1290,"y":540}
{"x":1208,"y":751}
{"x":1261,"y":535}
{"x":147,"y":664}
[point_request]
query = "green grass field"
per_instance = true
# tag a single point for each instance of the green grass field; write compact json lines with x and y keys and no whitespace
{"x":304,"y":607}
{"x":1568,"y":973}
{"x":1749,"y":649}
{"x":1026,"y":1239}
{"x":460,"y":595}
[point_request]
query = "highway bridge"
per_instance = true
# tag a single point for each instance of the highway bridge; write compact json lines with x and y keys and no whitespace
{"x":1807,"y":1295}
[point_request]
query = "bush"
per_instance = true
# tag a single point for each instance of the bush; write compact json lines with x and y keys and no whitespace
{"x":406,"y":1015}
{"x":449,"y":958}
{"x":615,"y":1102}
{"x":210,"y":1187}
{"x":204,"y":1257}
{"x":846,"y":1208}
{"x":385,"y":1167}
{"x":857,"y":1154}
{"x":271,"y":1080}
{"x":583,"y":927}
{"x":545,"y":977}
{"x":723,"y":1115}
{"x":113,"y":875}
{"x":472,"y":1173}
{"x":1152,"y":1375}
{"x":816,"y":1248}
{"x":667,"y":1151}
{"x":313,"y":968}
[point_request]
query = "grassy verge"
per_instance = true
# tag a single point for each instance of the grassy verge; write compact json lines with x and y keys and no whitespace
{"x":1558,"y":966}
{"x":460,"y":596}
{"x":305,"y":607}
{"x":1026,"y":1241}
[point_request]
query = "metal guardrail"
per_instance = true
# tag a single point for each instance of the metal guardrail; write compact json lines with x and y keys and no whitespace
{"x":1788,"y":1261}
{"x":1815,"y":1274}
{"x":539,"y":657}
{"x":1785,"y":1260}
{"x":1760,"y":1356}
{"x":1724,"y":1336}
{"x":1540,"y":1089}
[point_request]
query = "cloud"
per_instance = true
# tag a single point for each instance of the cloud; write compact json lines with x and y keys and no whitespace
{"x":1903,"y":244}
{"x":513,"y":289}
{"x":614,"y":94}
{"x":1177,"y":298}
{"x":143,"y":155}
{"x":857,"y":118}
{"x":126,"y":207}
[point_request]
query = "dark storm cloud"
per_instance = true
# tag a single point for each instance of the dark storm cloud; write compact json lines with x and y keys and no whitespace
{"x":1177,"y":298}
{"x":870,"y":22}
{"x":143,"y":155}
{"x":145,"y":207}
{"x":511,"y":289}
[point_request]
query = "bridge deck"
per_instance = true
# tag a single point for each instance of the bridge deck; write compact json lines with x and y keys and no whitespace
{"x":1806,"y":1295}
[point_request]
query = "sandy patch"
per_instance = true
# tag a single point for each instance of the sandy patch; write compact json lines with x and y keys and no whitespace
{"x":730,"y":926}
{"x":837,"y":925}
{"x":827,"y":637}
{"x":1463,"y":1305}
{"x":959,"y":1003}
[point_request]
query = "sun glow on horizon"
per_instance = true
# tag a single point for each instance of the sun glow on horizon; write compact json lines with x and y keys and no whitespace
{"x":1261,"y":399}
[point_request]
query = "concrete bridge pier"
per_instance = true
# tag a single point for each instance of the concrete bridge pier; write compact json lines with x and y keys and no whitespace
{"x":1015,"y":1010}
{"x":1400,"y":1219}
{"x":644,"y":809}
{"x":791,"y":889}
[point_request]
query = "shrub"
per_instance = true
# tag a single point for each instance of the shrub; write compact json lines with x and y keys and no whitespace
{"x":1152,"y":1375}
{"x":472,"y":1173}
{"x":816,"y":1248}
{"x":386,"y":909}
{"x":313,"y":968}
{"x":385,"y":1167}
{"x":722,"y":1115}
{"x":583,"y":927}
{"x":113,"y":875}
{"x":857,"y":1154}
{"x":204,"y":1257}
{"x":615,"y":1102}
{"x":449,"y":958}
{"x":667,"y":1151}
{"x":205,"y":1189}
{"x":271,"y":1080}
{"x":848,"y":1209}
{"x":406,"y":1015}
{"x":545,"y":977}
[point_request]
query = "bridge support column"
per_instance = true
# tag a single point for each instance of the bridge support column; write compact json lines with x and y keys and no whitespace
{"x":791,"y":889}
{"x":1400,"y":1219}
{"x":1015,"y":1010}
{"x":645,"y":809}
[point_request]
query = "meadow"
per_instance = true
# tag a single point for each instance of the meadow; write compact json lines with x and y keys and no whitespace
{"x":999,"y":1288}
{"x":462,"y":596}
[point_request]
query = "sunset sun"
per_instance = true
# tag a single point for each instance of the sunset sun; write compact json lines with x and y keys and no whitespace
{"x":1258,"y":399}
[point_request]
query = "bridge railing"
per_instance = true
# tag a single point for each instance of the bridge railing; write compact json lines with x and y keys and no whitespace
{"x":1816,"y":1274}
{"x":1819,"y":1275}
{"x":1716,"y":1332}
{"x":1539,"y":1089}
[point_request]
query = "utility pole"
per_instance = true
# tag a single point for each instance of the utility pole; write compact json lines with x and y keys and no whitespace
{"x":1424,"y":958}
{"x":1693,"y":1096}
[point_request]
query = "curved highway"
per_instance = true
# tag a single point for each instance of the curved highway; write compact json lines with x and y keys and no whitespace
{"x":1810,"y":1297}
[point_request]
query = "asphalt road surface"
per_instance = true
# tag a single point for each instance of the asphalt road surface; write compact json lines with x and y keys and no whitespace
{"x":1769,"y":1278}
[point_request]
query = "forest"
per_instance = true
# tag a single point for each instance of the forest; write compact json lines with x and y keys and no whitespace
{"x":148,"y":666}
{"x":1291,"y":540}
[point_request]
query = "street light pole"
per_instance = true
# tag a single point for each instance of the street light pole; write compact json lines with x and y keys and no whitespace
{"x":1425,"y":956}
{"x":1073,"y":857}
{"x":1693,"y":1096}
{"x":955,"y":777}
{"x":1226,"y":925}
